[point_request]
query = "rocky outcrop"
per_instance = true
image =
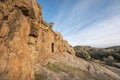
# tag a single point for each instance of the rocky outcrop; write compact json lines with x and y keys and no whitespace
{"x":25,"y":39}
{"x":79,"y":68}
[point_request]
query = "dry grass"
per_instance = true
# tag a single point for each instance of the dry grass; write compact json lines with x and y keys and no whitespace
{"x":72,"y":72}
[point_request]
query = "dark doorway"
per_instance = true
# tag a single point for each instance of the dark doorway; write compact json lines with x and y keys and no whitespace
{"x":52,"y":47}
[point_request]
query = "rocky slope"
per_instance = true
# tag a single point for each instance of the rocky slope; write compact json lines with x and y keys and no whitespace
{"x":68,"y":67}
{"x":25,"y":39}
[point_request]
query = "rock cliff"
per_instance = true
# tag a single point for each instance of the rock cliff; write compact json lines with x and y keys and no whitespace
{"x":26,"y":39}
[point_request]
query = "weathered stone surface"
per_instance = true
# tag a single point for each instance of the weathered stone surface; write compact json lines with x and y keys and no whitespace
{"x":95,"y":70}
{"x":25,"y":39}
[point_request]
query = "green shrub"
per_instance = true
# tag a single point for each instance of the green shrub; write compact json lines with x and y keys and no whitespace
{"x":51,"y":25}
{"x":109,"y":60}
{"x":83,"y":54}
{"x":40,"y":76}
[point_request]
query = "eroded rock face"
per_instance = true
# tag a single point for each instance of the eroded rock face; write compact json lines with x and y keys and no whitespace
{"x":91,"y":70}
{"x":15,"y":62}
{"x":24,"y":39}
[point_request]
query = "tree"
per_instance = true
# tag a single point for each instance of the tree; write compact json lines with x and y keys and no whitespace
{"x":83,"y":54}
{"x":51,"y":25}
{"x":109,"y":60}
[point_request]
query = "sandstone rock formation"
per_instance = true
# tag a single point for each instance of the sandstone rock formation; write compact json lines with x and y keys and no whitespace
{"x":25,"y":39}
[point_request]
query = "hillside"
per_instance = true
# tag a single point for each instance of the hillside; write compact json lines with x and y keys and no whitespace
{"x":31,"y":50}
{"x":100,"y":53}
{"x":109,"y":56}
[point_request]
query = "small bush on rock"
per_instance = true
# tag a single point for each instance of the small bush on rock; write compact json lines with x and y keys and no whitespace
{"x":83,"y":54}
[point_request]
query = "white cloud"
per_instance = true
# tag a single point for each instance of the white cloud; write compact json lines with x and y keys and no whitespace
{"x":104,"y":34}
{"x":90,"y":22}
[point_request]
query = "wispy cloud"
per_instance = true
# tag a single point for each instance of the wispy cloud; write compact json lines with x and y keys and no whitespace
{"x":88,"y":22}
{"x":103,"y":34}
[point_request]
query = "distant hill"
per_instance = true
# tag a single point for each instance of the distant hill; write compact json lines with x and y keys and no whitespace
{"x":101,"y":54}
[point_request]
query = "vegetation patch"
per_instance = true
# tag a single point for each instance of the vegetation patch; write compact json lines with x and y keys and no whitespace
{"x":56,"y":67}
{"x":40,"y":76}
{"x":72,"y":72}
{"x":83,"y":54}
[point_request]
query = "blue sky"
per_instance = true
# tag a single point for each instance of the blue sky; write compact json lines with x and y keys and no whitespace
{"x":85,"y":22}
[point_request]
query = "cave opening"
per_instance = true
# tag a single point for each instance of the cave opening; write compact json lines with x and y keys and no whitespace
{"x":52,"y":47}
